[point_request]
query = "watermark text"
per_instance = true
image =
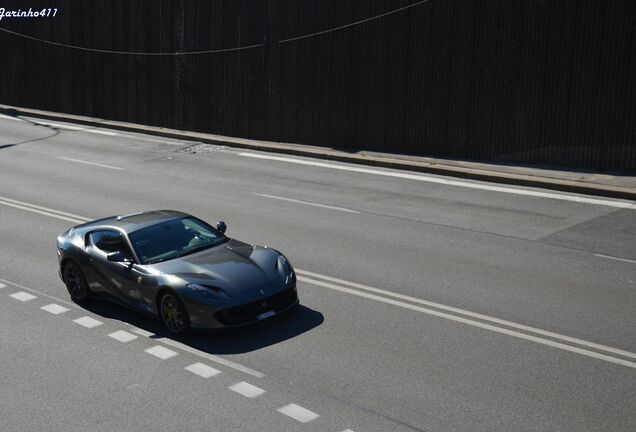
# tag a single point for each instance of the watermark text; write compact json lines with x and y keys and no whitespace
{"x":21,"y":13}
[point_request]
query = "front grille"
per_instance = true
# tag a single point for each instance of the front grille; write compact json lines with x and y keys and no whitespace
{"x":248,"y":312}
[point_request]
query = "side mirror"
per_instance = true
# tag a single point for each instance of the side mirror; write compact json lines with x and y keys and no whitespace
{"x":221,"y":227}
{"x":118,"y":257}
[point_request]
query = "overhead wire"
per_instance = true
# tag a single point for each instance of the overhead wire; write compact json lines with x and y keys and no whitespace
{"x":318,"y":33}
{"x":220,"y":50}
{"x":104,"y":51}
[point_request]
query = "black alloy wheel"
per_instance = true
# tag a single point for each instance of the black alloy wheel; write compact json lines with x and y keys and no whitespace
{"x":76,"y":283}
{"x":173,"y":314}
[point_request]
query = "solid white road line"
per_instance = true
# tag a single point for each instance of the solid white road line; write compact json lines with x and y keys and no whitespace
{"x":34,"y":210}
{"x":202,"y":354}
{"x":122,"y":336}
{"x":160,"y":352}
{"x":615,"y":258}
{"x":202,"y":370}
{"x":360,"y":286}
{"x":246,"y":389}
{"x":87,"y":129}
{"x":160,"y":141}
{"x":91,"y":130}
{"x":90,"y":163}
{"x":10,"y":117}
{"x":307,"y":203}
{"x":58,"y":125}
{"x":101,"y":132}
{"x":473,"y":323}
{"x":87,"y":322}
{"x":550,"y":195}
{"x":54,"y":308}
{"x":298,"y":413}
{"x":2,"y":285}
{"x":45,"y":209}
{"x":75,"y":128}
{"x":472,"y":314}
{"x":22,"y":296}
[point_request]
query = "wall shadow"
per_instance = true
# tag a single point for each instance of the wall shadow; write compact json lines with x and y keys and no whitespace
{"x":15,"y":114}
{"x":235,"y":341}
{"x":5,"y":146}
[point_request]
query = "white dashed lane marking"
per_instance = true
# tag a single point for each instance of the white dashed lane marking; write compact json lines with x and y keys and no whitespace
{"x":90,"y":163}
{"x":87,"y":322}
{"x":202,"y":354}
{"x":122,"y":336}
{"x":309,"y":203}
{"x":22,"y":296}
{"x":298,"y":413}
{"x":54,"y":308}
{"x":247,"y":389}
{"x":243,"y":388}
{"x":202,"y":370}
{"x":147,"y":334}
{"x":161,"y":352}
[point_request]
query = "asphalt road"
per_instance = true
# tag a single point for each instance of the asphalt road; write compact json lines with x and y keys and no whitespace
{"x":428,"y":303}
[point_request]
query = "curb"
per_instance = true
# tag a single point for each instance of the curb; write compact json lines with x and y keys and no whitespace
{"x":329,"y":154}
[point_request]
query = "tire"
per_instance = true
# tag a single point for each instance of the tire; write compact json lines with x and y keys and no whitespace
{"x":76,"y":283}
{"x":173,"y":313}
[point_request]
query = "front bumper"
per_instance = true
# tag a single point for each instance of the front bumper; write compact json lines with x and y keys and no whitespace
{"x":207,"y":318}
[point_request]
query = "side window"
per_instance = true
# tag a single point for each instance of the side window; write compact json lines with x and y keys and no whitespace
{"x":110,"y":241}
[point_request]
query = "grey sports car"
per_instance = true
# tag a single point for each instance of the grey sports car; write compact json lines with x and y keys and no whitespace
{"x":176,"y":267}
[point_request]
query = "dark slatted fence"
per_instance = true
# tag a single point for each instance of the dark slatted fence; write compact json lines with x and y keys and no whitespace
{"x":548,"y":82}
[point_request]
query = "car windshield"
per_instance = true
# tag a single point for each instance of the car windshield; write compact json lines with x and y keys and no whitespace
{"x":173,"y":239}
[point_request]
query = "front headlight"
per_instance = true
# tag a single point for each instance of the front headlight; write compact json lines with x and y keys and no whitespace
{"x":208,"y":292}
{"x":283,"y":264}
{"x":286,"y":269}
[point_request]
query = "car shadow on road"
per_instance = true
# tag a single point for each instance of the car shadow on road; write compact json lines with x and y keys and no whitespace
{"x":234,"y":341}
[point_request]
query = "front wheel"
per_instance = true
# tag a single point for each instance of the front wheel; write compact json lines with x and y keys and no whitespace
{"x":173,"y":314}
{"x":76,"y":283}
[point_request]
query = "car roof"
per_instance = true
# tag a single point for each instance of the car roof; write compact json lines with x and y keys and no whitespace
{"x":135,"y":221}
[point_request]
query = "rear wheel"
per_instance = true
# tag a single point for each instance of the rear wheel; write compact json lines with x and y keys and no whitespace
{"x":173,"y":314}
{"x":76,"y":283}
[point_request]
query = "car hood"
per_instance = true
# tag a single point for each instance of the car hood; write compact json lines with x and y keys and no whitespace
{"x":236,"y":267}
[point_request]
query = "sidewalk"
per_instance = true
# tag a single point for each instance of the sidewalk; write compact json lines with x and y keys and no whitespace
{"x":589,"y":183}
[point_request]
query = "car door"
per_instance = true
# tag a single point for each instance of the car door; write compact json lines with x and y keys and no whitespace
{"x":119,"y":279}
